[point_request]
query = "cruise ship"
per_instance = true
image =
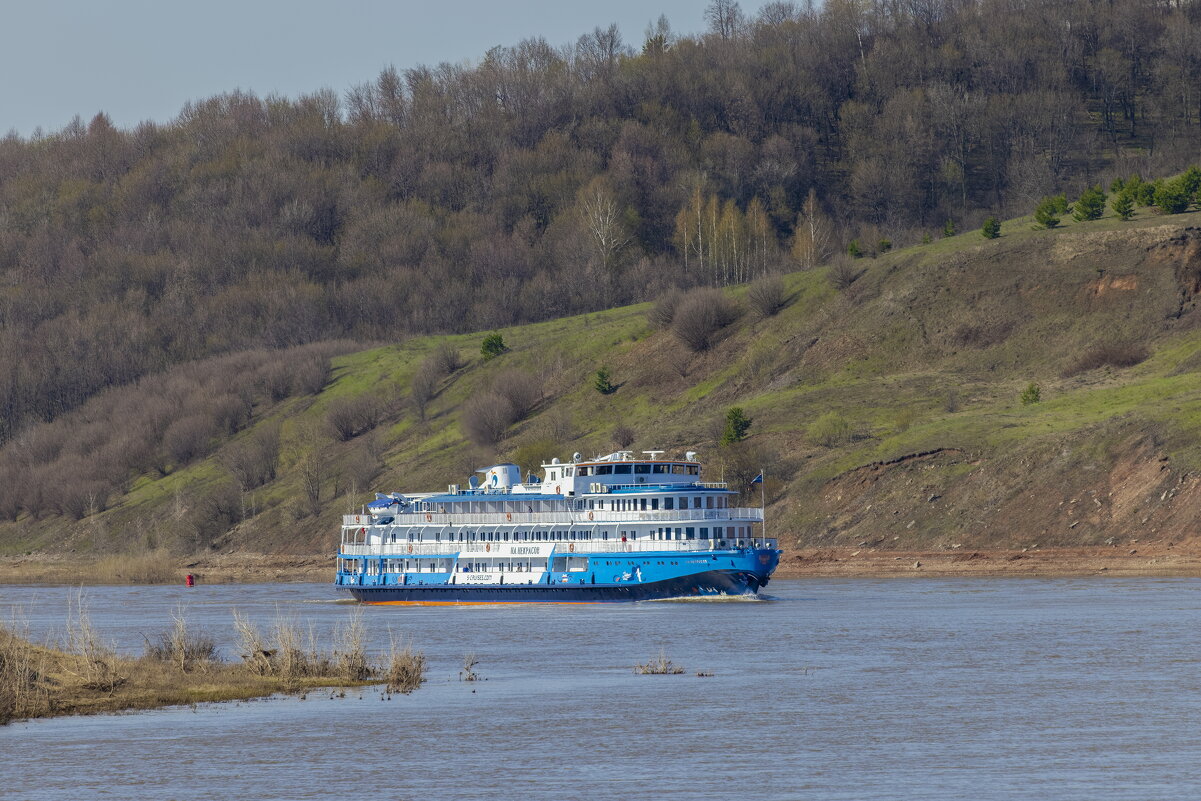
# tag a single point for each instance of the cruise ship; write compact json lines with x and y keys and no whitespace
{"x":613,"y":528}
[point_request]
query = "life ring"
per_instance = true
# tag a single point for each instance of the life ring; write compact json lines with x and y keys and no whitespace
{"x":571,"y":547}
{"x":558,"y":489}
{"x":356,"y":519}
{"x":488,"y":547}
{"x":362,"y":531}
{"x":591,"y":516}
{"x":428,"y":517}
{"x":509,"y":517}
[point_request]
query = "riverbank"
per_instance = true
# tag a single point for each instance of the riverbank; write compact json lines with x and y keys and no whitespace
{"x":1133,"y":558}
{"x":183,"y":665}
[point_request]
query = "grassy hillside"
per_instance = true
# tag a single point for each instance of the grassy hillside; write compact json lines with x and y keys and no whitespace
{"x":887,"y":412}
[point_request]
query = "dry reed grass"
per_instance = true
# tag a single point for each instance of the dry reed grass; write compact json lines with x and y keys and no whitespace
{"x":182,"y":647}
{"x":405,"y":668}
{"x":350,"y":654}
{"x":181,"y":667}
{"x":152,"y":567}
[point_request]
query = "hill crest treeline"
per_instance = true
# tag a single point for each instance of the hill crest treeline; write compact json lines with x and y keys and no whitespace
{"x":545,"y":181}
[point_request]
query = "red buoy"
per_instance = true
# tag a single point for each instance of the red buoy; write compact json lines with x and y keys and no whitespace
{"x":190,"y":580}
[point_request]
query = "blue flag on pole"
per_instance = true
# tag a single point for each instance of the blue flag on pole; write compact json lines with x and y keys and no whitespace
{"x":757,"y":479}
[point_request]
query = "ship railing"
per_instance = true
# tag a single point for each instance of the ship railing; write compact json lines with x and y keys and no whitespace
{"x":400,"y":550}
{"x":589,"y":518}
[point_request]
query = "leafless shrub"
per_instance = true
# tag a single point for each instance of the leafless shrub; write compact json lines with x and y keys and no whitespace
{"x":182,"y":647}
{"x":766,"y":296}
{"x":664,"y":310}
{"x":363,"y":465}
{"x":188,"y":438}
{"x":80,"y":497}
{"x":296,"y":655}
{"x":1109,"y":354}
{"x":660,"y":666}
{"x":445,"y":358}
{"x":520,"y":388}
{"x":230,"y":413}
{"x":22,"y":674}
{"x":405,"y":670}
{"x":252,"y":646}
{"x":623,"y":435}
{"x":97,"y":659}
{"x":350,"y":417}
{"x":423,"y":387}
{"x":701,"y":316}
{"x":276,"y":380}
{"x":485,"y":418}
{"x":253,"y":460}
{"x":310,"y":375}
{"x":843,"y":273}
{"x":10,"y":498}
{"x":468,"y":672}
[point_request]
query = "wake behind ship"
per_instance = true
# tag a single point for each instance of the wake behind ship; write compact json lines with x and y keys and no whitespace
{"x":613,"y":528}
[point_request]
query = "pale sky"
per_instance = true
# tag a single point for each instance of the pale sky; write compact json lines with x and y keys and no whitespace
{"x":143,"y":59}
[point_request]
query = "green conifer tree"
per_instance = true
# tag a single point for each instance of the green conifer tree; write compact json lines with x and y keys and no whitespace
{"x":991,"y":228}
{"x":1123,"y":205}
{"x":737,"y":424}
{"x":1047,"y":212}
{"x":603,"y":382}
{"x":1091,"y":205}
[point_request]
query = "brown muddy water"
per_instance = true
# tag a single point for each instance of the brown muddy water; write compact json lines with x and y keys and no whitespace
{"x":978,"y":688}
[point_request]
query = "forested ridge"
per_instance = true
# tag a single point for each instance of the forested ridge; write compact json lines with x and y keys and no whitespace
{"x":545,"y":180}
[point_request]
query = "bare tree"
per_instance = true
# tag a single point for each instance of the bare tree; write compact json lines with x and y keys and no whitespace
{"x":725,"y":18}
{"x":601,"y":216}
{"x":813,"y":234}
{"x":423,"y":387}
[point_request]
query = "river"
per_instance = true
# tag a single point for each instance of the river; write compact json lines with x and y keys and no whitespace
{"x":983,"y":688}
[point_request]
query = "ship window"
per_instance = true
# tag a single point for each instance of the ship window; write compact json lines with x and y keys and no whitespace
{"x":622,"y":469}
{"x":690,"y":533}
{"x":669,"y":503}
{"x":585,"y":471}
{"x":661,"y":468}
{"x":696,"y":502}
{"x":654,"y":503}
{"x":567,"y":472}
{"x":709,"y":502}
{"x":642,"y":503}
{"x":704,"y":533}
{"x":694,"y":470}
{"x":605,"y":534}
{"x":642,"y":468}
{"x":604,"y":469}
{"x":678,"y":469}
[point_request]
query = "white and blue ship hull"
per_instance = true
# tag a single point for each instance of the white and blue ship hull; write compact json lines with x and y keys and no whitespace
{"x":728,"y":573}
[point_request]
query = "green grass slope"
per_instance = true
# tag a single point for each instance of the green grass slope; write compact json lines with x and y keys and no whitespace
{"x":887,"y":413}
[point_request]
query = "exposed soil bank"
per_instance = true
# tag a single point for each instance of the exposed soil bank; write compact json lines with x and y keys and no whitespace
{"x":1134,"y":558}
{"x":241,"y":568}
